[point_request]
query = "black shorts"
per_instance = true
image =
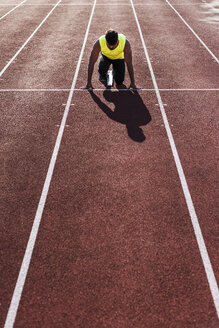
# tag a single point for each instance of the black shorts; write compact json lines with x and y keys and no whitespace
{"x":118,"y":68}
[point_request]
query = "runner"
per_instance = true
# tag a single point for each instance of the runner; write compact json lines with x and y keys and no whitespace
{"x":116,"y":50}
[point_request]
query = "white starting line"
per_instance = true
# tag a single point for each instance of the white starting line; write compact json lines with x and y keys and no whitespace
{"x":100,"y":89}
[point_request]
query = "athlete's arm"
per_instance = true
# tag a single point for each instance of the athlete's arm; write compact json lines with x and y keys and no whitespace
{"x":128,"y":60}
{"x":93,"y":58}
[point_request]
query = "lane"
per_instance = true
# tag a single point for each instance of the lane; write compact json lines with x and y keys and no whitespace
{"x":194,"y":119}
{"x":179,"y":60}
{"x":115,"y":246}
{"x":207,"y":106}
{"x":29,"y":126}
{"x":50,"y":59}
{"x":114,"y":17}
{"x":203,"y":19}
{"x":214,"y":99}
{"x":13,"y":34}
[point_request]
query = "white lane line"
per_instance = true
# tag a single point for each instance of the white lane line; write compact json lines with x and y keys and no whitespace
{"x":189,"y":89}
{"x":33,"y":235}
{"x":196,"y":35}
{"x":199,"y":237}
{"x":65,"y":90}
{"x":20,"y":4}
{"x":30,"y":37}
{"x":98,"y":89}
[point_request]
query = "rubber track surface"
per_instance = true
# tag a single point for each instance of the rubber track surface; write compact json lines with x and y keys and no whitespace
{"x":116,"y":247}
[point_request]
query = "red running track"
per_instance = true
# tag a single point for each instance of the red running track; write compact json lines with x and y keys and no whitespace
{"x":116,"y":246}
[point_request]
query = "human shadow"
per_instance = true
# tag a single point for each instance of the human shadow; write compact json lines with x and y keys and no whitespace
{"x":129,"y":110}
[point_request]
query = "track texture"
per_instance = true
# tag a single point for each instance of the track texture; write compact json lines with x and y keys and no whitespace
{"x":115,"y":247}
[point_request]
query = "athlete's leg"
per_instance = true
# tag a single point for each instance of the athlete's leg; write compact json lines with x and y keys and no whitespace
{"x":104,"y":65}
{"x":119,"y":70}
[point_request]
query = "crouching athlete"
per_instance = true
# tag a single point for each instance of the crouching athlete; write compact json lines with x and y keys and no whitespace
{"x":116,"y":50}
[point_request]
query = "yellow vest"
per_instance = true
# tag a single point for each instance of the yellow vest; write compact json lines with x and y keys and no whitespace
{"x":118,"y":52}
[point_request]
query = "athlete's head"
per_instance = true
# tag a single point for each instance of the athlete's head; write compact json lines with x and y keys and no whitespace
{"x":111,"y":37}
